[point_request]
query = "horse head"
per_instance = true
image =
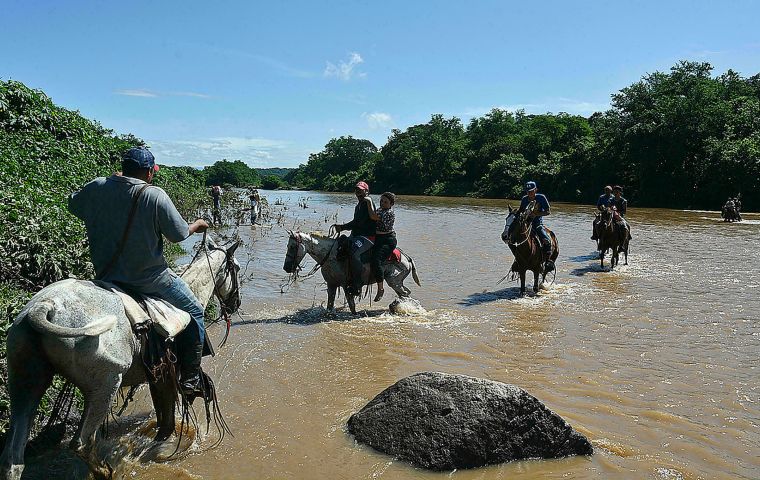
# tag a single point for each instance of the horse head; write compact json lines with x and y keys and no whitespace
{"x":295,"y":253}
{"x":517,"y":225}
{"x":228,"y":286}
{"x":507,"y":224}
{"x":606,"y":217}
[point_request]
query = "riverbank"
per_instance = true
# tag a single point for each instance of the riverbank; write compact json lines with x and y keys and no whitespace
{"x":48,"y":152}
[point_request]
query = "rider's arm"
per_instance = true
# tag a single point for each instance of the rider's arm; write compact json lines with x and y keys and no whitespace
{"x":170,"y":222}
{"x":371,"y":209}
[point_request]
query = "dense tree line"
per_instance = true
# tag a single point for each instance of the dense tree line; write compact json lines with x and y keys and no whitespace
{"x":679,"y":139}
{"x":235,"y":173}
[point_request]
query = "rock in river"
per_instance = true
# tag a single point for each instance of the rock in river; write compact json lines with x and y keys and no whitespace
{"x":442,"y":422}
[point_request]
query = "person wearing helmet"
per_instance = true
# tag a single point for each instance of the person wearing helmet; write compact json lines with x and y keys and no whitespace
{"x":601,"y":204}
{"x":363,"y":228}
{"x":540,"y":208}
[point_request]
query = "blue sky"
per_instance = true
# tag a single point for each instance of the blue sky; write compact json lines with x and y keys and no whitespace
{"x":270,"y":82}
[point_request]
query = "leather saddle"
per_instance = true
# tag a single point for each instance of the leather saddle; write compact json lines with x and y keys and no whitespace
{"x":144,"y":311}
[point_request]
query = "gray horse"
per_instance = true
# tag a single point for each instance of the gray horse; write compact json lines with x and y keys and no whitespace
{"x":81,"y":332}
{"x":324,"y":250}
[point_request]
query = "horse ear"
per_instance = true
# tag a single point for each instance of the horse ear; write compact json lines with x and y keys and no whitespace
{"x":290,"y":232}
{"x":210,"y":243}
{"x":231,"y":250}
{"x":509,"y":207}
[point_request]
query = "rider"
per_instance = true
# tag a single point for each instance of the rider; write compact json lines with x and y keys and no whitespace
{"x":216,"y":193}
{"x":601,"y":204}
{"x":385,"y":240}
{"x":362,"y":238}
{"x":105,"y":206}
{"x":540,"y":210}
{"x":621,"y":205}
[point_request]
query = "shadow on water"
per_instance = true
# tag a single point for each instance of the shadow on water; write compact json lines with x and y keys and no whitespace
{"x":315,"y":315}
{"x":585,"y":258}
{"x":592,"y":268}
{"x":511,"y":293}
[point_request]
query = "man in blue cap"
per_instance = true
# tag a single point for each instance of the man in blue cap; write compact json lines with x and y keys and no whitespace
{"x":126,"y":220}
{"x":540,"y":209}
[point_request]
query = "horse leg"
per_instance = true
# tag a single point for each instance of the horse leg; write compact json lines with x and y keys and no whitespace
{"x":163,"y":395}
{"x":29,"y":375}
{"x":535,"y":281}
{"x":332,"y":289}
{"x":522,"y":282}
{"x":97,"y":403}
{"x":396,"y":282}
{"x":601,"y":257}
{"x":351,"y":302}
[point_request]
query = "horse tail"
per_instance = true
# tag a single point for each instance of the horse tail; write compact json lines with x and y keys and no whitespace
{"x":414,"y":271}
{"x":39,"y":317}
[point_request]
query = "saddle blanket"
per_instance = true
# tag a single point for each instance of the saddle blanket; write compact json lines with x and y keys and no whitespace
{"x":167,"y":319}
{"x":395,"y":256}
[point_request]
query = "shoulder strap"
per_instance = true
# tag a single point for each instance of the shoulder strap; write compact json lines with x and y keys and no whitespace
{"x":123,"y":240}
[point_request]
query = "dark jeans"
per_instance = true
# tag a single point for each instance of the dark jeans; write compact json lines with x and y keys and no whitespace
{"x":359,"y":245}
{"x":384,"y":245}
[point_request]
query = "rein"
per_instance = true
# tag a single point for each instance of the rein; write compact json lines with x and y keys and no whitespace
{"x":228,"y":268}
{"x":525,"y":232}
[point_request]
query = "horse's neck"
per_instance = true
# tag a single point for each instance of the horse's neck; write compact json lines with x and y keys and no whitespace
{"x":319,"y":247}
{"x":201,"y":278}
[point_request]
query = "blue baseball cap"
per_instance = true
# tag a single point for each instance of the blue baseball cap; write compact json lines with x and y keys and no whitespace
{"x":139,"y":157}
{"x":530,"y":186}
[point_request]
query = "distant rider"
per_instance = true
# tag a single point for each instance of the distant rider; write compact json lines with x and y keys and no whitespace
{"x":216,"y":194}
{"x":540,"y":210}
{"x":601,"y":204}
{"x":385,"y":240}
{"x":621,"y":205}
{"x":104,"y":205}
{"x":363,"y":229}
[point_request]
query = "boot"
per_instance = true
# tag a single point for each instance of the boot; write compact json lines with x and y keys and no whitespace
{"x":190,"y":369}
{"x":548,"y":264}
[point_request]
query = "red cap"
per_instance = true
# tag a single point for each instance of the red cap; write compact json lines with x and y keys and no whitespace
{"x":363,"y":186}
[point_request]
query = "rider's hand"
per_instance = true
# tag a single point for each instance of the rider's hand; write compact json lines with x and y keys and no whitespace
{"x":198,"y":226}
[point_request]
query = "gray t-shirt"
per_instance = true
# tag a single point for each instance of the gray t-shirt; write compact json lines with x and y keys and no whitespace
{"x":104,"y":206}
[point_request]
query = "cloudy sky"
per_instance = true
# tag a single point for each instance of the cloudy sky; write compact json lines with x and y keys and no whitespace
{"x":270,"y":82}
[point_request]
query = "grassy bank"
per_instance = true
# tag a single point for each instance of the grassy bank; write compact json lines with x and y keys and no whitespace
{"x":47,"y":152}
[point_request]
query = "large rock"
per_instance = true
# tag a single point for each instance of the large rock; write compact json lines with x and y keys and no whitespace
{"x":442,"y":422}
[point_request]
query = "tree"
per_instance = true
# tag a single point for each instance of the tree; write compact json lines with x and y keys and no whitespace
{"x":235,"y":173}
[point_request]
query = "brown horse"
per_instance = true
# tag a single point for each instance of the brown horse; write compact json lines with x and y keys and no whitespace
{"x":525,"y":246}
{"x":612,"y":236}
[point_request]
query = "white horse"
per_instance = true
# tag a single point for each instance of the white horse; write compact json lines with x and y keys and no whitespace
{"x":324,"y":250}
{"x":80,"y":331}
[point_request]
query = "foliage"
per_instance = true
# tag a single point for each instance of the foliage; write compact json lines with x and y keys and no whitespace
{"x":278,"y":171}
{"x":236,"y":173}
{"x":678,"y":139}
{"x":47,"y":152}
{"x":272,"y":182}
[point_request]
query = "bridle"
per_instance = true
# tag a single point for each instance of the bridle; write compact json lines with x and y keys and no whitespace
{"x":227,"y":309}
{"x":525,"y":232}
{"x":299,"y":242}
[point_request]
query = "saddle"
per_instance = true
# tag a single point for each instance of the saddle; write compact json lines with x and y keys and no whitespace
{"x":144,"y":311}
{"x":344,"y":252}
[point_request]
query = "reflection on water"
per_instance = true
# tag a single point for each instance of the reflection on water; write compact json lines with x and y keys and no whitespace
{"x":655,"y":362}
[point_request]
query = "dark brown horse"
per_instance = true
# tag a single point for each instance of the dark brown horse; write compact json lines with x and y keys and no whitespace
{"x":518,"y":234}
{"x":612,"y":236}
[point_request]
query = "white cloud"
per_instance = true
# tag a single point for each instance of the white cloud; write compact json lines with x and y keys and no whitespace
{"x":377,"y":120}
{"x":345,"y":70}
{"x":142,"y":92}
{"x":136,"y":93}
{"x":256,"y":152}
{"x":567,"y":105}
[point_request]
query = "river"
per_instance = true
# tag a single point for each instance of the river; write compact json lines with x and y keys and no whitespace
{"x":656,"y":362}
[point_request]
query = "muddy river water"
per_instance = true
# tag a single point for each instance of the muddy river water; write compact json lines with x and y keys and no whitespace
{"x":656,"y":362}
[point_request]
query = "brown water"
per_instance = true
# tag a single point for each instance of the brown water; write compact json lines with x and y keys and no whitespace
{"x":655,"y":362}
